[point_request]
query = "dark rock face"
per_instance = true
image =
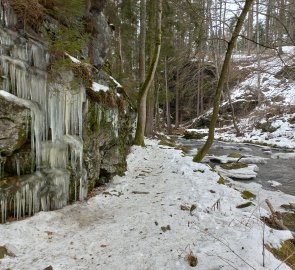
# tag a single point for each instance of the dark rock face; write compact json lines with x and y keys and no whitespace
{"x":20,"y":162}
{"x":100,"y":38}
{"x":14,"y":121}
{"x":107,"y":138}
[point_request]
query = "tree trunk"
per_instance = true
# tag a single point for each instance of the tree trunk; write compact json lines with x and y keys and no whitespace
{"x":250,"y":31}
{"x":157,"y":108}
{"x":144,"y":88}
{"x":142,"y":40}
{"x":238,"y":132}
{"x":258,"y":53}
{"x":167,"y":99}
{"x":231,"y":45}
{"x":177,"y":101}
{"x":149,"y":127}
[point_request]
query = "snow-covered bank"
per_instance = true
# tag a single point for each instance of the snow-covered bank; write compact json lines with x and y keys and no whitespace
{"x":138,"y":223}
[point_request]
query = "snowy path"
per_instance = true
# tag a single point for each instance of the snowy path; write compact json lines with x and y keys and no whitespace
{"x":121,"y":229}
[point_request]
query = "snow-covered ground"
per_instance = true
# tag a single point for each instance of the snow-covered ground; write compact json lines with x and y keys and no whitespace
{"x":137,"y":223}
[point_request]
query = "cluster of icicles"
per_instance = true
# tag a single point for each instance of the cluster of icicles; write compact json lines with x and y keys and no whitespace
{"x":53,"y":109}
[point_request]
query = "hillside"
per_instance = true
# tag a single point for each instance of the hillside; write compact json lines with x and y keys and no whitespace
{"x":270,"y":120}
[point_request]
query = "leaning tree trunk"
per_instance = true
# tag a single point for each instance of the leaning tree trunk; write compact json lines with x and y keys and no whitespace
{"x":223,"y":74}
{"x":144,"y":88}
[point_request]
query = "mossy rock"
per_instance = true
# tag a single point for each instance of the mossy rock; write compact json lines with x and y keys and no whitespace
{"x":266,"y":127}
{"x":233,"y":165}
{"x":285,"y":253}
{"x":194,"y":135}
{"x":244,"y":205}
{"x":3,"y":252}
{"x":235,"y":155}
{"x":289,"y":220}
{"x":248,"y":195}
{"x":291,"y":120}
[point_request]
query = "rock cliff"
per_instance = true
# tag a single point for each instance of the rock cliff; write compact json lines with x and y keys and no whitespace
{"x":64,"y":129}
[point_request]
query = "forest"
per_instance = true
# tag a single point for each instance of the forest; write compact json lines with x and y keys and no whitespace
{"x":147,"y":134}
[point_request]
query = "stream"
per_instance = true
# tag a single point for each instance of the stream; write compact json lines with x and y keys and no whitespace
{"x":278,"y":170}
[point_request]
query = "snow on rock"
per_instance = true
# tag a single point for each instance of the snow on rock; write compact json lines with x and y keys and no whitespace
{"x":247,"y":173}
{"x":73,"y":59}
{"x":137,"y":223}
{"x":248,"y":159}
{"x":116,"y":82}
{"x":99,"y":87}
{"x":274,"y":183}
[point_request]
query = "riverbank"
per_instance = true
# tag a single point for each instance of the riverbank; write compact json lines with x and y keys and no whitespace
{"x":163,"y":212}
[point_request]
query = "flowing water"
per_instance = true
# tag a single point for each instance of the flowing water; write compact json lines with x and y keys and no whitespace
{"x":279,"y":170}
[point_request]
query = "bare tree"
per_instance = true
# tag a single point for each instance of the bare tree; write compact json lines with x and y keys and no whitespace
{"x":223,"y":74}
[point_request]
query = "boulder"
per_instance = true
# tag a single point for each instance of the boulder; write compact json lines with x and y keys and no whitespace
{"x":14,"y":119}
{"x":193,"y":134}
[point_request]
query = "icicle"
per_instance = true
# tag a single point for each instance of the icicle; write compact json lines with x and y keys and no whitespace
{"x":2,"y":163}
{"x":3,"y":204}
{"x":17,"y":163}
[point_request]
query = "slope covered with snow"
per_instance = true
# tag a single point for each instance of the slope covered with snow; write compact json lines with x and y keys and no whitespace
{"x":165,"y":208}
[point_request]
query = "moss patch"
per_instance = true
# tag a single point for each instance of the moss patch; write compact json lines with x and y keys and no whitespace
{"x":289,"y":220}
{"x":248,"y":195}
{"x":266,"y":127}
{"x":221,"y":181}
{"x":233,"y":165}
{"x":235,"y":155}
{"x":284,"y":252}
{"x":244,"y":205}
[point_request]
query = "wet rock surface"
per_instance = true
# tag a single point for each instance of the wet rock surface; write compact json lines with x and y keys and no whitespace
{"x":14,"y":121}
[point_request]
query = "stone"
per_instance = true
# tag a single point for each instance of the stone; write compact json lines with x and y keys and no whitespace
{"x":100,"y":38}
{"x":194,"y":135}
{"x":7,"y":250}
{"x":14,"y":121}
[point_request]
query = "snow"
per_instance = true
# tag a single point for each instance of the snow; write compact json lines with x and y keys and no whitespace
{"x":248,"y":159}
{"x":274,"y":183}
{"x":288,"y":49}
{"x":99,"y":87}
{"x":121,"y":228}
{"x":118,"y":85}
{"x":73,"y":59}
{"x":247,"y":173}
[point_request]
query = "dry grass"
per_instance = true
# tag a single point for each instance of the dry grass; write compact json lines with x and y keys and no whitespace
{"x":29,"y":13}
